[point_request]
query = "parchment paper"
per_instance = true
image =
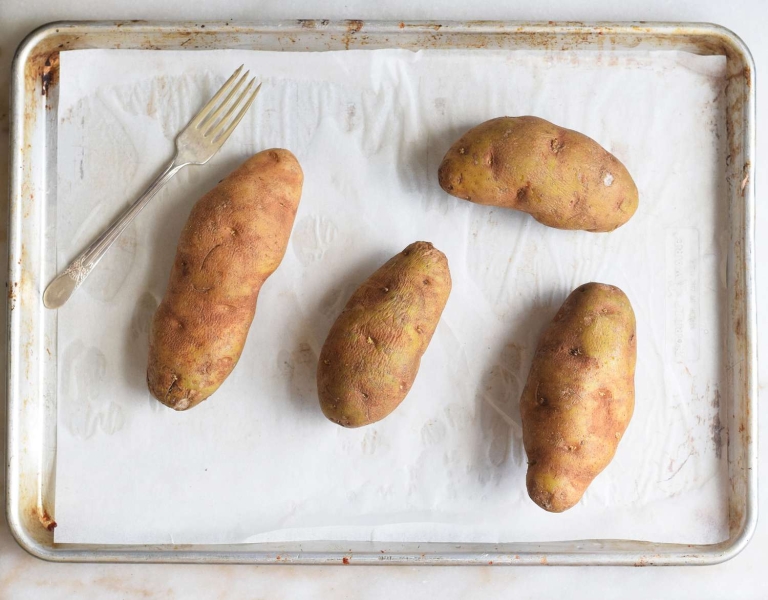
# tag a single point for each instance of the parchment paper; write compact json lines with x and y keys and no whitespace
{"x":258,"y":461}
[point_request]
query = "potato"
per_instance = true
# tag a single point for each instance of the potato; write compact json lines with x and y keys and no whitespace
{"x":372,"y":354}
{"x":235,"y":238}
{"x":580,"y":394}
{"x":560,"y":177}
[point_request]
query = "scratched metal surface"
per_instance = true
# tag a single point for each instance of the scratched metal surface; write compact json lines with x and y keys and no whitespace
{"x":32,"y":371}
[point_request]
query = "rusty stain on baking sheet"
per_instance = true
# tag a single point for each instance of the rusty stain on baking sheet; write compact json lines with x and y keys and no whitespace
{"x":716,"y":428}
{"x":38,"y":520}
{"x":12,"y":288}
{"x":353,"y":26}
{"x":735,"y":515}
{"x":420,"y":26}
{"x":312,"y":23}
{"x":50,"y":72}
{"x":745,"y":181}
{"x":45,"y":519}
{"x":748,"y":76}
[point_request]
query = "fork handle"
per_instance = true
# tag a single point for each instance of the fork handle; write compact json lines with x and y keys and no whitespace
{"x":71,"y":278}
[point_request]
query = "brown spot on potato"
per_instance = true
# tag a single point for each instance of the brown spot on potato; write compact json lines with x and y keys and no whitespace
{"x":605,"y":394}
{"x":523,"y":195}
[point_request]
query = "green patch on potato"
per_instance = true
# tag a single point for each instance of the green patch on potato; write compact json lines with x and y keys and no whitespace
{"x":560,"y":177}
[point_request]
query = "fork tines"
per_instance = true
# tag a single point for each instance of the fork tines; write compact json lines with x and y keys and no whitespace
{"x":216,"y":120}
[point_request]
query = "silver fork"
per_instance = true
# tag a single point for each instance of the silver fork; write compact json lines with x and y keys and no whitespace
{"x":195,"y":145}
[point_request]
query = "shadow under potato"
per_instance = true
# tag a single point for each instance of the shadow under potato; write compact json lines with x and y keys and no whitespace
{"x":497,"y":397}
{"x":417,"y":168}
{"x":299,"y":365}
{"x":136,"y":348}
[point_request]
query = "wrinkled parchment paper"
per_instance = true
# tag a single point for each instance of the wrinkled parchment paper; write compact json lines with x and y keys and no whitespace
{"x":258,"y":461}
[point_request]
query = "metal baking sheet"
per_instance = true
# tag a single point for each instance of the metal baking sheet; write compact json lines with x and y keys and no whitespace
{"x":32,"y":376}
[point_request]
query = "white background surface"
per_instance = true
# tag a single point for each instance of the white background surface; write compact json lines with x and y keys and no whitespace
{"x":24,"y":577}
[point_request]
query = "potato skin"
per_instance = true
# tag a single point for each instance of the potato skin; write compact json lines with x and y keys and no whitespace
{"x":580,"y":394}
{"x":560,"y":177}
{"x":235,"y":238}
{"x":372,"y":354}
